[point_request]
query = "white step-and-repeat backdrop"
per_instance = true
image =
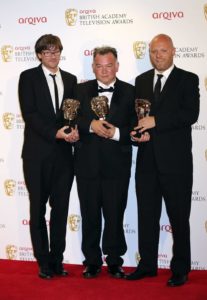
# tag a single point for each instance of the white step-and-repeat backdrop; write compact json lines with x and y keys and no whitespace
{"x":83,"y":25}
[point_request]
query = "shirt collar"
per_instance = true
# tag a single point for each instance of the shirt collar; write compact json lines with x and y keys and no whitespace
{"x":48,"y":72}
{"x":166,"y":73}
{"x":101,"y":84}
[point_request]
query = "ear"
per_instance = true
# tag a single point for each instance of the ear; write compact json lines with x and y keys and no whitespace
{"x":93,"y":67}
{"x":117,"y":66}
{"x":39,"y":56}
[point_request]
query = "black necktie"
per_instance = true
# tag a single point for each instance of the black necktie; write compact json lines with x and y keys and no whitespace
{"x":56,"y":93}
{"x":157,"y":88}
{"x":102,"y":90}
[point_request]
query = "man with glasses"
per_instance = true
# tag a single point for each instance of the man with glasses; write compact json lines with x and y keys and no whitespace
{"x":47,"y":152}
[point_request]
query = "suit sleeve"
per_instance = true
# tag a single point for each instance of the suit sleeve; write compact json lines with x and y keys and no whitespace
{"x":30,"y":113}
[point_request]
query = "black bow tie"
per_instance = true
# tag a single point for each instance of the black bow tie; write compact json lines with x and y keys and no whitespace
{"x":102,"y":90}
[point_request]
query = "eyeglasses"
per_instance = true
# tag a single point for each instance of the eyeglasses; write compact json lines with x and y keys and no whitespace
{"x":51,"y":53}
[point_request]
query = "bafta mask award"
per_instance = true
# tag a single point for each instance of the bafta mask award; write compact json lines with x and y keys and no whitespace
{"x":100,"y":106}
{"x":142,"y":108}
{"x":70,"y":111}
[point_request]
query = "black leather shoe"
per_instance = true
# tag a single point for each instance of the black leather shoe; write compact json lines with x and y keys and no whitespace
{"x":58,"y":269}
{"x":91,"y":271}
{"x":140,"y":274}
{"x":116,"y":271}
{"x":45,"y":272}
{"x":177,"y":280}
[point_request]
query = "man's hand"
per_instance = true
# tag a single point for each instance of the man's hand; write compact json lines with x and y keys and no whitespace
{"x":145,"y":137}
{"x":146,"y":123}
{"x":111,"y":130}
{"x":71,"y":137}
{"x":102,"y":128}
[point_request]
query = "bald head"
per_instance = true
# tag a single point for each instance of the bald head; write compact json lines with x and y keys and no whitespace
{"x":162,"y":38}
{"x":161,"y":51}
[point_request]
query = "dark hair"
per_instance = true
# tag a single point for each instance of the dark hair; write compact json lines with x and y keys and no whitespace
{"x":104,"y":50}
{"x":47,"y":42}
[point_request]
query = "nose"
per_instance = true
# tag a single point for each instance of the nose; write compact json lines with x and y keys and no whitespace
{"x":104,"y":70}
{"x":158,"y":54}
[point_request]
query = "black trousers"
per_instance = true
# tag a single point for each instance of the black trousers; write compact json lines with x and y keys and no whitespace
{"x":103,"y":198}
{"x":50,"y":179}
{"x":175,"y":189}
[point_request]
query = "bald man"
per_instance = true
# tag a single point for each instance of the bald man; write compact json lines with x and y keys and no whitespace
{"x":164,"y":168}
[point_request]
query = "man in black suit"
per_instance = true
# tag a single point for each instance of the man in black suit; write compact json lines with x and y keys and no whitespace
{"x":47,"y":152}
{"x":103,"y":163}
{"x":164,"y":164}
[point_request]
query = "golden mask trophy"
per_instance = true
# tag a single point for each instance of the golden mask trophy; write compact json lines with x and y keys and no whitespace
{"x":100,"y":106}
{"x":142,"y":108}
{"x":70,"y":111}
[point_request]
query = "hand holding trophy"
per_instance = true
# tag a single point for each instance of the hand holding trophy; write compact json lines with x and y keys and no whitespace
{"x":70,"y":111}
{"x":142,"y":108}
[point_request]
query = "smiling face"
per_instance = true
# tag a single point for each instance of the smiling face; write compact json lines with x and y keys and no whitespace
{"x":161,"y":51}
{"x":105,"y":67}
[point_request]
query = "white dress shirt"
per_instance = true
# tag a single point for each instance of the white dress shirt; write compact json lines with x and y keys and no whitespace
{"x":50,"y":83}
{"x":165,"y":74}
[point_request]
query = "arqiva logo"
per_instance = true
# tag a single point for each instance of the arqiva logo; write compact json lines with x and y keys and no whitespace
{"x":168,"y":15}
{"x":32,"y":20}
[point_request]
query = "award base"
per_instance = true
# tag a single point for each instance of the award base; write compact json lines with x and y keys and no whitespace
{"x":68,"y":130}
{"x":138,"y":134}
{"x":107,"y":127}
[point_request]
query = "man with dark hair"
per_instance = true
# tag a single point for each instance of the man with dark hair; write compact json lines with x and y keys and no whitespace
{"x":103,"y":163}
{"x":164,"y":166}
{"x":47,"y":152}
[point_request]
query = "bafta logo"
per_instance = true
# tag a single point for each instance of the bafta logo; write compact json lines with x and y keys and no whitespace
{"x":9,"y":186}
{"x":11,"y":252}
{"x":71,"y":16}
{"x":205,"y":11}
{"x":139,"y":48}
{"x":137,"y":258}
{"x":8,"y":120}
{"x":7,"y":53}
{"x":74,"y":222}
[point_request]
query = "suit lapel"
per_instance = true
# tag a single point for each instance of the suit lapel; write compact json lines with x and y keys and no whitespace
{"x":148,"y":86}
{"x":170,"y":84}
{"x":64,"y":84}
{"x":114,"y":100}
{"x":45,"y":91}
{"x":93,"y":89}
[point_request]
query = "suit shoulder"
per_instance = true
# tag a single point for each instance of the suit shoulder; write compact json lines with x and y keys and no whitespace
{"x":145,"y":75}
{"x":29,"y":72}
{"x":68,"y":74}
{"x":125,"y":84}
{"x":86,"y":84}
{"x":186,"y":73}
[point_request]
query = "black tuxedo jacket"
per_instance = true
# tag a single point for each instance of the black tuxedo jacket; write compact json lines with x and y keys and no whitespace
{"x":176,"y":111}
{"x":94,"y":155}
{"x":41,"y":122}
